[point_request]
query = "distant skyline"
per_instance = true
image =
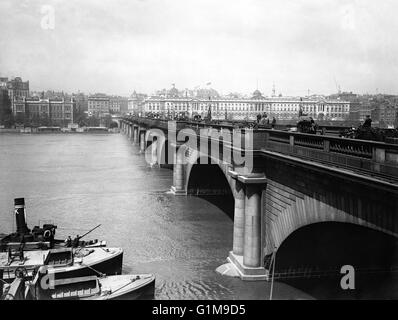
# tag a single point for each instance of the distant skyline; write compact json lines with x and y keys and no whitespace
{"x":116,"y":47}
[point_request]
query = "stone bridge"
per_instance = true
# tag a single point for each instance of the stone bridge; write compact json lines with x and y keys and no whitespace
{"x":317,"y":202}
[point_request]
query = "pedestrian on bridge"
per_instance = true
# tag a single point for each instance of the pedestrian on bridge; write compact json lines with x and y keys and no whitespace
{"x":273,"y":123}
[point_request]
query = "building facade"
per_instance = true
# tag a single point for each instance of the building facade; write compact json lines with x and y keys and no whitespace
{"x":98,"y":105}
{"x":50,"y":112}
{"x":5,"y":106}
{"x":283,"y":108}
{"x":17,"y":88}
{"x":118,"y":105}
{"x":136,"y":103}
{"x":385,"y":115}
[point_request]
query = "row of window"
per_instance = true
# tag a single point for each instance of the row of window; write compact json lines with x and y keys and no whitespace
{"x":258,"y":109}
{"x":42,"y":108}
{"x":58,"y":115}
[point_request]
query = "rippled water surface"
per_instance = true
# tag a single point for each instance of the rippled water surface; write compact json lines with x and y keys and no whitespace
{"x":79,"y":181}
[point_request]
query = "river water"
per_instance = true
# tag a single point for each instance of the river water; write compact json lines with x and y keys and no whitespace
{"x":80,"y":181}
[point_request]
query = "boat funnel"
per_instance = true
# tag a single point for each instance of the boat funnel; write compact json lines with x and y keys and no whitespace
{"x":19,"y":206}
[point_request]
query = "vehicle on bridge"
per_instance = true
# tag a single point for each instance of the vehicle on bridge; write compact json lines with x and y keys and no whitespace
{"x":368,"y":133}
{"x":307,"y":125}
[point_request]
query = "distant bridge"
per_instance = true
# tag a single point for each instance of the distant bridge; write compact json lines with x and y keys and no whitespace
{"x":318,"y":201}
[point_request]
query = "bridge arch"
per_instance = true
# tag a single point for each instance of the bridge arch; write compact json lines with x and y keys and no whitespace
{"x":117,"y":121}
{"x":209,"y":180}
{"x":301,"y":210}
{"x":327,"y":246}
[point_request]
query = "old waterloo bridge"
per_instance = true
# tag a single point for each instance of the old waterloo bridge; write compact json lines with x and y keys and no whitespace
{"x":318,"y":201}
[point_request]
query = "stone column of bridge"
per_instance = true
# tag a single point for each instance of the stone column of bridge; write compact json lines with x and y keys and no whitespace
{"x":239,"y":217}
{"x":142,"y":140}
{"x":252,"y":239}
{"x":154,"y":151}
{"x":178,"y":187}
{"x":246,"y":255}
{"x":132,"y":132}
{"x":136,"y":134}
{"x":160,"y":149}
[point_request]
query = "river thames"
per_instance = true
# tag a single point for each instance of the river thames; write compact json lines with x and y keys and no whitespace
{"x":80,"y":181}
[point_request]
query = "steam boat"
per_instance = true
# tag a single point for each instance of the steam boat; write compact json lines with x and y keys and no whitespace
{"x":71,"y":269}
{"x":40,"y":237}
{"x":62,"y":263}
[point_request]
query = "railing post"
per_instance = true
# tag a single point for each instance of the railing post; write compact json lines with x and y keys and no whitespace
{"x":379,"y":154}
{"x":379,"y":157}
{"x":291,"y":140}
{"x":326,"y":145}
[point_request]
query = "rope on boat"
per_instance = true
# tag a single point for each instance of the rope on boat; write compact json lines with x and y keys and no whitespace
{"x":99,"y":273}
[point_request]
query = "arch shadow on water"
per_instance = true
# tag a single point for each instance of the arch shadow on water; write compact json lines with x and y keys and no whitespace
{"x":331,"y":245}
{"x":208,"y":182}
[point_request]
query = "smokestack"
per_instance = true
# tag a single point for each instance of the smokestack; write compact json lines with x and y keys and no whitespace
{"x":19,"y":206}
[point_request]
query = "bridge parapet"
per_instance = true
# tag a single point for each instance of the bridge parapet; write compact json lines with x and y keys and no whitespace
{"x":371,"y":157}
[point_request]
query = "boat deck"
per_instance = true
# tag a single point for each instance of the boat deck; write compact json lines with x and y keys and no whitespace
{"x":31,"y":259}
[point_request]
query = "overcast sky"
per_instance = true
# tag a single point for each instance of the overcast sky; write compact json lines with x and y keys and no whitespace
{"x":118,"y":46}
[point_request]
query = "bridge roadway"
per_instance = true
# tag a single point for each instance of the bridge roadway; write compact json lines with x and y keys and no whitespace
{"x":287,"y":182}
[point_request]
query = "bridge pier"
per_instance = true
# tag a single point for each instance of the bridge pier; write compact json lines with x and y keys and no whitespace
{"x":130,"y":131}
{"x":154,"y":147}
{"x":160,"y":148}
{"x":142,"y":139}
{"x":252,"y":239}
{"x":239,"y":218}
{"x":246,"y":256}
{"x":178,"y":187}
{"x":135,"y":134}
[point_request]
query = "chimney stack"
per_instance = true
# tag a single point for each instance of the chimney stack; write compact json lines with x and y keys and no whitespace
{"x":20,"y":216}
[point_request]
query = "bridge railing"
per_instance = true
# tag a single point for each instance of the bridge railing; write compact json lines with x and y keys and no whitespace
{"x":367,"y":156}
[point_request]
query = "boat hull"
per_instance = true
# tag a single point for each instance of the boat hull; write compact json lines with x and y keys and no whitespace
{"x":110,"y":266}
{"x":143,"y":289}
{"x":110,"y":263}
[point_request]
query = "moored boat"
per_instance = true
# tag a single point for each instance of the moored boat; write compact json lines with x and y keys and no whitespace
{"x":117,"y":287}
{"x":120,"y":287}
{"x":62,"y":263}
{"x":40,"y":237}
